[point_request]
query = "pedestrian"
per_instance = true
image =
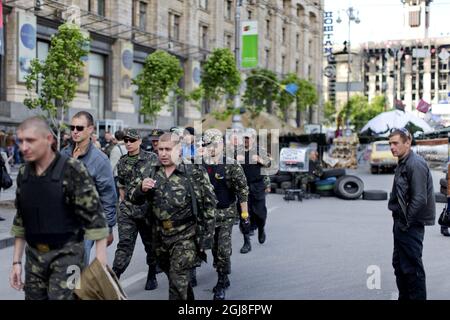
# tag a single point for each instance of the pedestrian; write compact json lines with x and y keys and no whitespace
{"x":413,"y":207}
{"x":229,"y":182}
{"x":95,"y":142}
{"x":154,"y":138}
{"x":98,"y":166}
{"x":315,"y":171}
{"x":132,"y":219}
{"x":108,"y":143}
{"x":253,"y":160}
{"x":117,"y":152}
{"x":2,"y":163}
{"x":188,"y":148}
{"x":183,"y":208}
{"x":53,"y":224}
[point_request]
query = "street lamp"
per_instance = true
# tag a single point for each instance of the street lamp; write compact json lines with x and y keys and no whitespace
{"x":355,"y":18}
{"x":236,"y":121}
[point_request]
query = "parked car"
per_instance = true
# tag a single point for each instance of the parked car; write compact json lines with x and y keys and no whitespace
{"x":381,"y":157}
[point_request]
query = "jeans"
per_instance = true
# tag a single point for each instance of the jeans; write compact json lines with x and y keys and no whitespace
{"x":88,"y":244}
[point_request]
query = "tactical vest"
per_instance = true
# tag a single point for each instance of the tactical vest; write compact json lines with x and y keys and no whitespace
{"x":252,"y":170}
{"x":219,"y":179}
{"x":46,"y":216}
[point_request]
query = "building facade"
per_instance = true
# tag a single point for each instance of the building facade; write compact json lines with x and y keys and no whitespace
{"x":124,"y":32}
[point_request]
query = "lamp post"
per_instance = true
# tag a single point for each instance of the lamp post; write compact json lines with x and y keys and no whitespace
{"x":236,"y":122}
{"x":355,"y":18}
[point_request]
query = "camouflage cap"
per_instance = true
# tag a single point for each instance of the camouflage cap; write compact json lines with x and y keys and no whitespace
{"x":132,"y":133}
{"x":156,"y":133}
{"x":249,"y":132}
{"x":212,"y":136}
{"x":177,"y":130}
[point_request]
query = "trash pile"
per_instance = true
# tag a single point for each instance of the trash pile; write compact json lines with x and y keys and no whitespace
{"x":343,"y":153}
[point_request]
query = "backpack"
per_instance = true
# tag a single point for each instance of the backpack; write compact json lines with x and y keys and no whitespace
{"x":5,"y":179}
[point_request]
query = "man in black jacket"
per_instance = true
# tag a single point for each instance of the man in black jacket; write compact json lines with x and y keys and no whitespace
{"x":413,"y":207}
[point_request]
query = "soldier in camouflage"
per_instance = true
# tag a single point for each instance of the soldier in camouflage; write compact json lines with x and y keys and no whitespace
{"x":229,"y":182}
{"x":54,"y":223}
{"x":303,"y":179}
{"x":132,"y":219}
{"x":183,"y":208}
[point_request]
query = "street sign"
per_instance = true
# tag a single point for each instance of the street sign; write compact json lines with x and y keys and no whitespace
{"x":249,"y":40}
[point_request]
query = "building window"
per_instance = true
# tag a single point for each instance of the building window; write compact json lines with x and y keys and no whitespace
{"x":203,"y":4}
{"x":137,"y":68}
{"x":310,"y":75}
{"x":249,"y":14}
{"x":297,"y":41}
{"x":97,"y":83}
{"x":101,"y":7}
{"x":283,"y":64}
{"x":229,"y":41}
{"x":41,"y":55}
{"x":203,"y":37}
{"x":142,"y":15}
{"x":310,"y":47}
{"x":297,"y":66}
{"x":267,"y":58}
{"x":174,"y":26}
{"x":286,"y":4}
{"x":228,"y":10}
{"x":268,"y":28}
{"x":283,"y":35}
{"x":300,"y":10}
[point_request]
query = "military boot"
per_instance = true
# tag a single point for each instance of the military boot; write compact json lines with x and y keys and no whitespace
{"x":247,"y":247}
{"x":151,"y":283}
{"x":222,"y":283}
{"x":193,"y":276}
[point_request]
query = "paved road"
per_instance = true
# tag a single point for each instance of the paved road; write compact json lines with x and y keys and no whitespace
{"x":315,"y":249}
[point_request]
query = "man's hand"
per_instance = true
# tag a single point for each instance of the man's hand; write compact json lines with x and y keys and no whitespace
{"x":256,"y":158}
{"x":147,"y":184}
{"x":240,"y":158}
{"x":110,"y":239}
{"x":267,"y":190}
{"x":15,"y":277}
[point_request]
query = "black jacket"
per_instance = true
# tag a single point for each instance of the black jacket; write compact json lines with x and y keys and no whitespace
{"x":412,"y":199}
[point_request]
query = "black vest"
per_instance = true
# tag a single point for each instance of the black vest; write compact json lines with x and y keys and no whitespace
{"x":252,"y":170}
{"x":225,"y":196}
{"x":46,"y":216}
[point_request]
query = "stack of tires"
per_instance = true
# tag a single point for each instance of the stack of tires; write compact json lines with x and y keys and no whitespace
{"x":280,"y":182}
{"x":349,"y":187}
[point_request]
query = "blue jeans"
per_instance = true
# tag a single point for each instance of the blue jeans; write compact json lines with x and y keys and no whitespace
{"x":88,"y":244}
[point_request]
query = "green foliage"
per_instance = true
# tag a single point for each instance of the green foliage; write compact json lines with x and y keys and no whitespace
{"x":160,"y":75}
{"x":58,"y":75}
{"x":220,"y":76}
{"x":262,"y":90}
{"x":329,"y":112}
{"x":359,"y":111}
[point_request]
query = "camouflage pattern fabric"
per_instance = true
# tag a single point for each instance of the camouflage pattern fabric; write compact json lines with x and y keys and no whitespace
{"x":132,"y":219}
{"x":47,"y":276}
{"x":302,"y":179}
{"x":222,"y":248}
{"x":177,"y":246}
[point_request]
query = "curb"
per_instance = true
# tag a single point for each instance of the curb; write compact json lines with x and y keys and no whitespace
{"x":9,"y":204}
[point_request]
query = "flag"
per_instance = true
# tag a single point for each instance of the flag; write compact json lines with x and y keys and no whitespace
{"x":398,"y":104}
{"x":2,"y":45}
{"x":423,"y":106}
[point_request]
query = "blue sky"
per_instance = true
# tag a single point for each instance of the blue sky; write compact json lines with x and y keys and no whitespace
{"x":383,"y":20}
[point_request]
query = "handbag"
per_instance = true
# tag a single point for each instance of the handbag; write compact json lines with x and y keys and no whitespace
{"x":6,"y":181}
{"x":444,"y":218}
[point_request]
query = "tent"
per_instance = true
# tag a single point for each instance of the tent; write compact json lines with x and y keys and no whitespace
{"x":384,"y":122}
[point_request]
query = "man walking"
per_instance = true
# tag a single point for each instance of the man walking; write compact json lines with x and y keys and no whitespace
{"x":57,"y":205}
{"x":183,"y":207}
{"x":132,"y":219}
{"x":98,"y":166}
{"x":413,"y":207}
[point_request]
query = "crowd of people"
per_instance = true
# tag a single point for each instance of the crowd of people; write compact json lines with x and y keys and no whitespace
{"x":180,"y":206}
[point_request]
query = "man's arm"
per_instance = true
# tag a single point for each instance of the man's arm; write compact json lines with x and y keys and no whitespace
{"x":418,"y":185}
{"x":15,"y":278}
{"x":208,"y":201}
{"x":105,"y":185}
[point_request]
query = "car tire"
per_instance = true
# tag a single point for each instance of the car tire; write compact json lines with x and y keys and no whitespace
{"x":349,"y":187}
{"x":286,"y":185}
{"x":375,"y":195}
{"x":440,"y":198}
{"x":443,"y":182}
{"x":284,"y":178}
{"x":333,"y":173}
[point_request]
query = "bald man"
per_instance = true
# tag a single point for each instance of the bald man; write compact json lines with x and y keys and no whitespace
{"x":54,"y":223}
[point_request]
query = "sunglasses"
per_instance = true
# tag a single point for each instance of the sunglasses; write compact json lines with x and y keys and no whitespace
{"x":79,"y":128}
{"x":131,"y":140}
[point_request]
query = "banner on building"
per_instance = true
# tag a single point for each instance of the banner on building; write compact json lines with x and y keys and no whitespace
{"x":249,"y":41}
{"x":2,"y":43}
{"x":126,"y":69}
{"x":83,"y":82}
{"x":26,"y":38}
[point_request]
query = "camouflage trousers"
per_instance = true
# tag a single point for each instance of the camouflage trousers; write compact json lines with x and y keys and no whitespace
{"x":176,"y":260}
{"x":49,"y":276}
{"x":221,"y":249}
{"x":302,"y":180}
{"x":129,"y":226}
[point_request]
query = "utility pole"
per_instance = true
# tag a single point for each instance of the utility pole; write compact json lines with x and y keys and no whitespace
{"x":237,"y":99}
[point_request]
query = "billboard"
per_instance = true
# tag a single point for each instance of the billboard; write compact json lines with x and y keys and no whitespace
{"x":249,"y":40}
{"x":26,"y":38}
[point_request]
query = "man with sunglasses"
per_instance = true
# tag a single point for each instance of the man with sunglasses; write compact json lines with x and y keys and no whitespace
{"x":132,"y":219}
{"x":229,"y":182}
{"x":98,"y":166}
{"x":413,"y":207}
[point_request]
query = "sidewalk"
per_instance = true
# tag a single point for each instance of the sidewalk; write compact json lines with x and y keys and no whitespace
{"x":7,"y":212}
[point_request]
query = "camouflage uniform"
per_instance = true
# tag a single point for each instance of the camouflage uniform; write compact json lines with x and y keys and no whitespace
{"x":302,"y":179}
{"x":46,"y":270}
{"x":132,"y":219}
{"x":178,"y":234}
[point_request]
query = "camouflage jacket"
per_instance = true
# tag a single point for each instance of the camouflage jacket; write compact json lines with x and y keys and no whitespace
{"x":79,"y":191}
{"x":171,"y":201}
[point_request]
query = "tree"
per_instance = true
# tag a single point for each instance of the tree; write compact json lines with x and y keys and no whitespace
{"x":262,"y":90}
{"x":57,"y":77}
{"x":159,"y":76}
{"x":220,"y":76}
{"x":285,"y":99}
{"x":329,"y":111}
{"x":359,"y":111}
